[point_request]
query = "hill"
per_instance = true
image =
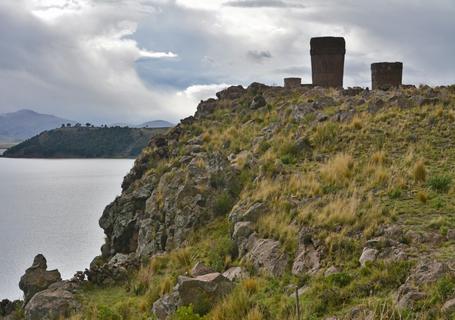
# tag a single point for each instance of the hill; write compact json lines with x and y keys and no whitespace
{"x":270,"y":202}
{"x":155,"y":124}
{"x":84,"y":142}
{"x":23,"y":124}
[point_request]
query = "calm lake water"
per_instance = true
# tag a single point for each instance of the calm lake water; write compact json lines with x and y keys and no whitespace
{"x":52,"y":207}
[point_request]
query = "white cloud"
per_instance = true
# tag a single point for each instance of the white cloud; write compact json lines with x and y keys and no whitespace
{"x":143,"y":59}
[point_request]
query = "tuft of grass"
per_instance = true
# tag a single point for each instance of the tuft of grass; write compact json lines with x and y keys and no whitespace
{"x":419,"y":172}
{"x":440,"y":183}
{"x":338,"y":170}
{"x":422,"y":196}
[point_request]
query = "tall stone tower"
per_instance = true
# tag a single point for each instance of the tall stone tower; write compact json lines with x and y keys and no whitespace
{"x":385,"y":75}
{"x":327,"y":61}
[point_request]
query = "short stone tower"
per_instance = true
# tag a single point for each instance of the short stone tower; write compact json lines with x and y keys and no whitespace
{"x":327,"y":61}
{"x":291,"y":83}
{"x":385,"y":75}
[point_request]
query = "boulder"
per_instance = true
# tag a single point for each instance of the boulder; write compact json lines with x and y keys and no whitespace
{"x":231,"y":93}
{"x":368,"y":254}
{"x":236,"y":273}
{"x":200,"y":269}
{"x":375,"y":105}
{"x":448,"y":307}
{"x":266,"y":255}
{"x":307,"y":260}
{"x":258,"y":102}
{"x":331,"y":270}
{"x":408,"y":296}
{"x":37,"y":278}
{"x":240,"y":235}
{"x":428,"y":272}
{"x":245,"y":212}
{"x":56,"y":302}
{"x":201,"y":292}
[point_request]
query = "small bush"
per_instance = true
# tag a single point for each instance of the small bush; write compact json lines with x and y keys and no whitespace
{"x":223,"y":204}
{"x":440,"y":183}
{"x":186,"y":313}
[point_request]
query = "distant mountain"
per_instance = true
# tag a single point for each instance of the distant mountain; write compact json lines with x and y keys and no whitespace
{"x":85,"y":142}
{"x":23,"y":124}
{"x":155,"y":124}
{"x":148,"y":124}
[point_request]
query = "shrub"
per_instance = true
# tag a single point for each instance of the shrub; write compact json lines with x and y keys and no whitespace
{"x":223,"y":203}
{"x":440,"y":183}
{"x":186,"y":313}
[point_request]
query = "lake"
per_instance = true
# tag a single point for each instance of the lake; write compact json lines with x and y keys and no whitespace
{"x":52,"y":207}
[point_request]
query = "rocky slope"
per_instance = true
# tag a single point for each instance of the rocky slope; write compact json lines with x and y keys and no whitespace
{"x":335,"y":203}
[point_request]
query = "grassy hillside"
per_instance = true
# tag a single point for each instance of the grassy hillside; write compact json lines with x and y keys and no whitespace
{"x":339,"y":171}
{"x":84,"y":142}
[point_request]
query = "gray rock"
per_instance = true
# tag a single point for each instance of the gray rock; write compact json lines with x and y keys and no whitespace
{"x":236,"y":273}
{"x":242,"y":229}
{"x":200,"y":269}
{"x":408,"y":296}
{"x":258,"y":102}
{"x":37,"y":278}
{"x":331,"y":270}
{"x":428,"y":272}
{"x":368,"y":254}
{"x":451,"y":234}
{"x":243,"y":212}
{"x":231,"y":93}
{"x":266,"y":255}
{"x":375,"y":105}
{"x":449,"y":307}
{"x":307,"y":260}
{"x":54,"y":303}
{"x":201,"y":292}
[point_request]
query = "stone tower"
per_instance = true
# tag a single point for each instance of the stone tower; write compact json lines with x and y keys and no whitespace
{"x":327,"y":61}
{"x":385,"y":75}
{"x":291,"y":83}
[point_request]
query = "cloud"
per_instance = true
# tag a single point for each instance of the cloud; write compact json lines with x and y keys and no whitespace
{"x":259,"y":56}
{"x":262,"y":4}
{"x":135,"y":60}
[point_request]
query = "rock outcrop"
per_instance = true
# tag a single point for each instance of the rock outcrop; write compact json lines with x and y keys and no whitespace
{"x":37,"y":278}
{"x":201,"y":292}
{"x":56,"y":302}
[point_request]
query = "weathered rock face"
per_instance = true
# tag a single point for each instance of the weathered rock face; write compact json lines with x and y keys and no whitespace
{"x":231,"y":93}
{"x":56,"y":302}
{"x":157,"y":216}
{"x":200,"y":269}
{"x":201,"y":292}
{"x":307,"y":260}
{"x":266,"y":255}
{"x":37,"y":278}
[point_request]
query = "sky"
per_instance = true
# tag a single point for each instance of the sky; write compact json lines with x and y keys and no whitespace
{"x":133,"y":61}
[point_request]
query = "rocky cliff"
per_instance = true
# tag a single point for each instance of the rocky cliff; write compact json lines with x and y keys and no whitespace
{"x":274,"y":203}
